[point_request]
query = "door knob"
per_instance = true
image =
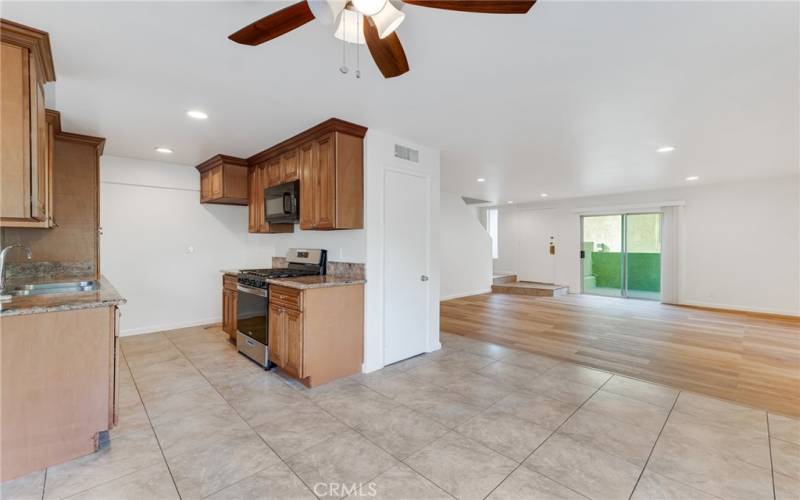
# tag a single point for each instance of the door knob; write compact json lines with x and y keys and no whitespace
{"x":423,"y":278}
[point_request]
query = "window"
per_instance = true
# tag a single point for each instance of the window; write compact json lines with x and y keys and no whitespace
{"x":491,"y":227}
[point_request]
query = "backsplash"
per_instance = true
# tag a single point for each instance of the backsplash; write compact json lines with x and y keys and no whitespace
{"x":352,"y":270}
{"x":58,"y":271}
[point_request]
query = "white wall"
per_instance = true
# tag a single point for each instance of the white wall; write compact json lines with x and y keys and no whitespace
{"x":342,"y":246}
{"x":466,"y":250}
{"x":739,"y":244}
{"x":151,"y":215}
{"x":379,"y":156}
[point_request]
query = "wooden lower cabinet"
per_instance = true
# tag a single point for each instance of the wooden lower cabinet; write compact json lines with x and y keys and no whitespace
{"x":59,"y":386}
{"x":285,"y":339}
{"x":316,"y":335}
{"x":229,"y":297}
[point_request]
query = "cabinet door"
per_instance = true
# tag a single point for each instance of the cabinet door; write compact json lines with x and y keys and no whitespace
{"x":205,"y":186}
{"x":306,"y":154}
{"x":325,"y":184}
{"x":262,"y":184}
{"x":277,"y":335}
{"x":229,"y":312}
{"x":289,"y":166}
{"x":39,"y":145}
{"x":216,"y":182}
{"x":294,"y":342}
{"x":252,"y":220}
{"x":274,"y":172}
{"x":15,"y":161}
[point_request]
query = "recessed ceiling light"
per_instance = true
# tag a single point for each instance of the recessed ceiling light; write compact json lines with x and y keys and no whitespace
{"x":510,"y":202}
{"x":544,"y":195}
{"x":164,"y":150}
{"x":481,"y":179}
{"x":692,"y":178}
{"x":196,"y":114}
{"x":665,"y":149}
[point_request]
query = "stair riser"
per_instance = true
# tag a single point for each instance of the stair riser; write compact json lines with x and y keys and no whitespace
{"x":536,"y":292}
{"x":505,"y":279}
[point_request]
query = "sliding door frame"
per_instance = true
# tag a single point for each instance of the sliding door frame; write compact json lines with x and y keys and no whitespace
{"x":623,"y":249}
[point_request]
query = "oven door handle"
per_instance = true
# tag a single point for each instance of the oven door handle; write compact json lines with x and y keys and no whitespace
{"x":252,"y":290}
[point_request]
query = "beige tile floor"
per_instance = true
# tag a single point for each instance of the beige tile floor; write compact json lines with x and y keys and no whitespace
{"x":473,"y":420}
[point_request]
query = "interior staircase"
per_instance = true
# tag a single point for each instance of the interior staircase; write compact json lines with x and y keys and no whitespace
{"x":507,"y":283}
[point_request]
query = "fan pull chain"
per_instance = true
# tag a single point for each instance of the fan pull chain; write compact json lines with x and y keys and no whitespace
{"x":343,"y":67}
{"x":358,"y":47}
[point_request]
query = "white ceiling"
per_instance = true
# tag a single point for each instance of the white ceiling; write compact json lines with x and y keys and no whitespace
{"x":571,"y":99}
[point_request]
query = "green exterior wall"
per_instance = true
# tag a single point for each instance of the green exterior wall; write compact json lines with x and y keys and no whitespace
{"x":644,"y":270}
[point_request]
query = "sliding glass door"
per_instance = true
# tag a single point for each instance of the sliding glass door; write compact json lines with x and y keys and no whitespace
{"x":621,"y":255}
{"x":602,"y":255}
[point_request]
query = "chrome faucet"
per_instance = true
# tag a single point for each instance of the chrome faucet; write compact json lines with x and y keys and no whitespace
{"x":3,"y":261}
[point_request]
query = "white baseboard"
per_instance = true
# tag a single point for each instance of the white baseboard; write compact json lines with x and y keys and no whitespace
{"x":124,"y":332}
{"x":762,"y":310}
{"x":467,"y":294}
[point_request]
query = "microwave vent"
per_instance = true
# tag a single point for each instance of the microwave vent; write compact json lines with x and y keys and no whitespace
{"x":406,"y":153}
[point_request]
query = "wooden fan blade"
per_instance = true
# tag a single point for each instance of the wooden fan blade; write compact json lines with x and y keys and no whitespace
{"x":274,"y":25}
{"x":481,"y":6}
{"x":387,"y":52}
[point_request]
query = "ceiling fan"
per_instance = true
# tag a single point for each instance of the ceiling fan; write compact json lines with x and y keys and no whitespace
{"x":366,"y":21}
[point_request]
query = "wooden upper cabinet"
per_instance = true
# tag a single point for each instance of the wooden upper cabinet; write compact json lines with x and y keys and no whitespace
{"x":258,"y":179}
{"x":25,"y":173}
{"x":328,"y":162}
{"x":274,"y":172}
{"x":332,"y":183}
{"x":223,"y":180}
{"x":324,"y":186}
{"x":289,"y":166}
{"x":305,"y":160}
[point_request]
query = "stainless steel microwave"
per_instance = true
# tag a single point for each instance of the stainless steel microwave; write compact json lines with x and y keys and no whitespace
{"x":282,"y":203}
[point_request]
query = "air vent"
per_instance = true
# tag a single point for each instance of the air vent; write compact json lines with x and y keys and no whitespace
{"x":473,"y":201}
{"x":406,"y":153}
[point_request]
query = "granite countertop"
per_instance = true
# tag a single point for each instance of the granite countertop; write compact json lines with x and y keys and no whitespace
{"x":105,"y":295}
{"x":305,"y":282}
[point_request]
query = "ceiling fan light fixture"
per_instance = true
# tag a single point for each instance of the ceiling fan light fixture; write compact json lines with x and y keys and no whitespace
{"x":369,"y":7}
{"x":351,"y":27}
{"x":388,"y":19}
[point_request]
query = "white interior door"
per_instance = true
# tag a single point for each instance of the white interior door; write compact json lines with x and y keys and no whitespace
{"x":406,"y":254}
{"x":537,"y":231}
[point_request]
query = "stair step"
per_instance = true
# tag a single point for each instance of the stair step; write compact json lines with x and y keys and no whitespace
{"x":504,"y":278}
{"x":531,"y":288}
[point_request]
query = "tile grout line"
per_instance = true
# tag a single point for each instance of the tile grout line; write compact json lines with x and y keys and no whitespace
{"x":652,"y":449}
{"x":402,"y":461}
{"x":771,"y":465}
{"x":547,"y":439}
{"x":133,"y":471}
{"x":516,"y":389}
{"x":246,"y":423}
{"x":150,"y":421}
{"x":44,"y":481}
{"x":398,"y":403}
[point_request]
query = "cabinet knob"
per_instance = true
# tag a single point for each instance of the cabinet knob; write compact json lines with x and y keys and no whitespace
{"x":423,"y":278}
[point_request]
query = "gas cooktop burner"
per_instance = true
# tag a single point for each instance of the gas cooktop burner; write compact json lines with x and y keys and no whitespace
{"x":300,"y":263}
{"x":278,"y":273}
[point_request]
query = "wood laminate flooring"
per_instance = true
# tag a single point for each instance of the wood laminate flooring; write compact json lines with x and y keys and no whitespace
{"x":749,"y":358}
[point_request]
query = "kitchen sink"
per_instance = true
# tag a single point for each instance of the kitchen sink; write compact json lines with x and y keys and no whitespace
{"x":52,"y":288}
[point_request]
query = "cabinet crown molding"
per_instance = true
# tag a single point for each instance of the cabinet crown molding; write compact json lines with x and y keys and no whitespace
{"x":37,"y":41}
{"x":218,"y":160}
{"x":329,"y":125}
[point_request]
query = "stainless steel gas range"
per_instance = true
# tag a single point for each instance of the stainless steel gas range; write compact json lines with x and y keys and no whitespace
{"x":252,"y":311}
